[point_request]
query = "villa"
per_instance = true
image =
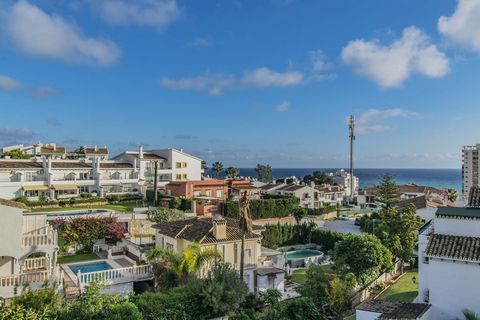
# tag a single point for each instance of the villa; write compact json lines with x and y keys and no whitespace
{"x":262,"y":270}
{"x":53,"y":174}
{"x":449,"y":258}
{"x":28,"y":254}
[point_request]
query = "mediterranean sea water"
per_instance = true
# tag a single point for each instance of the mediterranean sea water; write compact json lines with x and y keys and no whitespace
{"x":440,"y":178}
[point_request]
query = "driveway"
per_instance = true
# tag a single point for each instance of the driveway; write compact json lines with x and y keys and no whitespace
{"x":343,"y":226}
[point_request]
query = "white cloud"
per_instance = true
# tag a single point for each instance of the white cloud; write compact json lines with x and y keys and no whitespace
{"x":150,"y":13}
{"x":9,"y":84}
{"x":216,"y":84}
{"x":202,"y":43}
{"x":16,"y":134}
{"x":36,"y":33}
{"x":44,"y":92}
{"x":463,"y":26}
{"x":281,"y":107}
{"x":320,"y":64}
{"x":390,"y":65}
{"x":370,"y":120}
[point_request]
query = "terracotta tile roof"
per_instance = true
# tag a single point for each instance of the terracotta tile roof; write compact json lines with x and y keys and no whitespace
{"x":71,"y":165}
{"x":52,"y":150}
{"x":152,"y":156}
{"x":269,"y":186}
{"x":20,"y":165}
{"x":201,"y":230}
{"x":292,"y":187}
{"x":329,"y":189}
{"x":474,"y":197}
{"x":406,"y":311}
{"x":116,"y":165}
{"x":91,"y":150}
{"x":394,"y":310}
{"x":458,"y":212}
{"x":453,"y":247}
{"x":418,"y":202}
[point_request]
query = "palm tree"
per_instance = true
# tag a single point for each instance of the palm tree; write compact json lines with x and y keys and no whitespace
{"x":469,"y":315}
{"x":189,"y":262}
{"x":452,"y":195}
{"x":246,"y":226}
{"x":232,"y":172}
{"x":217,"y":167}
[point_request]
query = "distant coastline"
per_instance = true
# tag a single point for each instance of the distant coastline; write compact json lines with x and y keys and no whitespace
{"x":440,"y":178}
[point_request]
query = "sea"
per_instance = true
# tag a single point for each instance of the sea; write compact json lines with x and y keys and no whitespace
{"x":439,"y":178}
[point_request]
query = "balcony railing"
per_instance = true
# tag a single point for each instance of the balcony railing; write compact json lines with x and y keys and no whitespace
{"x":113,"y":276}
{"x":24,"y":278}
{"x":40,"y":237}
{"x":35,"y":263}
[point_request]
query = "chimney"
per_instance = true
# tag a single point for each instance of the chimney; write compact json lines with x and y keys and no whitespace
{"x":96,"y":148}
{"x":220,"y":229}
{"x":140,"y":152}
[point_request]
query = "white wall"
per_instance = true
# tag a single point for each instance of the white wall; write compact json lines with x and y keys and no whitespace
{"x":194,"y":165}
{"x":457,"y":227}
{"x":279,"y":283}
{"x":453,"y":286}
{"x":427,"y":213}
{"x":11,"y":231}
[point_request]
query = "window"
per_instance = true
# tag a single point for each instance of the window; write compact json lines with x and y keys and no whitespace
{"x":184,"y":164}
{"x":426,"y":260}
{"x":196,"y":193}
{"x":219,"y":193}
{"x":83,"y":189}
{"x":169,"y":246}
{"x":208,"y":193}
{"x":178,"y":177}
{"x":178,"y":165}
{"x":184,"y":176}
{"x":83,"y":176}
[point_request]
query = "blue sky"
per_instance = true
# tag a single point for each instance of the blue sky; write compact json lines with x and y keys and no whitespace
{"x":246,"y":82}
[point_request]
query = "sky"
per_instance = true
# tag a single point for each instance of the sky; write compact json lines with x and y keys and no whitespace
{"x":246,"y":81}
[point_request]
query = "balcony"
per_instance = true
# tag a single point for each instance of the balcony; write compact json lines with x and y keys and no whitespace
{"x":115,"y":276}
{"x":43,"y":237}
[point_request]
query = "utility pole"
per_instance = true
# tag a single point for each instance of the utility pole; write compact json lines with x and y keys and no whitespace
{"x":351,"y":129}
{"x":155,"y":191}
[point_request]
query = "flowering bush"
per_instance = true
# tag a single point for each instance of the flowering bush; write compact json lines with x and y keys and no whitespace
{"x":84,"y":231}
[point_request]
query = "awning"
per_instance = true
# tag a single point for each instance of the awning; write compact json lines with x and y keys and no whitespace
{"x":65,"y":187}
{"x":35,"y":188}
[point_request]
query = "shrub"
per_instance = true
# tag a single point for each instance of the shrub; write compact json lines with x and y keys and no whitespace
{"x":264,"y":208}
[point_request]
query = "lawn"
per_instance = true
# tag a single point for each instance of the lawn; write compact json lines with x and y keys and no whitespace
{"x":404,"y":290}
{"x":127,"y":207}
{"x":299,"y":276}
{"x":77,"y":258}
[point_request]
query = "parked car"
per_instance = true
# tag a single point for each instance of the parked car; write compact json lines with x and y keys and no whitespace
{"x":357,"y":221}
{"x":344,"y":216}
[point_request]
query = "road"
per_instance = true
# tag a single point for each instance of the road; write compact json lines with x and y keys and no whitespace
{"x":343,"y":226}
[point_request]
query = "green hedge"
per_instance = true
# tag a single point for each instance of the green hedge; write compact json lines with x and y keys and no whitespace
{"x":171,"y":202}
{"x":263,"y":208}
{"x":279,"y":235}
{"x":323,"y":210}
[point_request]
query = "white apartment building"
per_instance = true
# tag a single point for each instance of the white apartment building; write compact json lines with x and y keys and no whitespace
{"x":172,"y":165}
{"x":128,"y":173}
{"x":28,"y":251}
{"x":342,"y":178}
{"x":449,"y":262}
{"x":470,"y":168}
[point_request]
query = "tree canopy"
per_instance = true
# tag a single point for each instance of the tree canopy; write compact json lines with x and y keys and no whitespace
{"x":264,"y":173}
{"x":363,"y":256}
{"x":318,"y":177}
{"x":388,"y":193}
{"x":217,"y":167}
{"x":232,"y":172}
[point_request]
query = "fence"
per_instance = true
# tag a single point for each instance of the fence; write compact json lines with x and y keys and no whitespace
{"x":35,"y":263}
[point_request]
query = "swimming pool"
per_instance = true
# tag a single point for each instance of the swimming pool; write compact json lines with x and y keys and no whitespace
{"x":76,"y":213}
{"x":90,"y":267}
{"x":302,"y":254}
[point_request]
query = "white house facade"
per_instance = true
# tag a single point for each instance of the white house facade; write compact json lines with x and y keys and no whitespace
{"x":128,"y":173}
{"x":449,"y":262}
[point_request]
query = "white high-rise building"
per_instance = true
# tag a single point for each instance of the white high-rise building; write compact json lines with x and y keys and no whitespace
{"x":470,"y":168}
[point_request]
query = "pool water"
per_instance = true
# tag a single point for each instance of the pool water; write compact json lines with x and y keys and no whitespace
{"x":90,"y":267}
{"x":302,"y":254}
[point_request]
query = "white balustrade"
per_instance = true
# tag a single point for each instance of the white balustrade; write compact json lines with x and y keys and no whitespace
{"x":35,"y":263}
{"x":41,"y":237}
{"x":24,"y":278}
{"x":115,"y":275}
